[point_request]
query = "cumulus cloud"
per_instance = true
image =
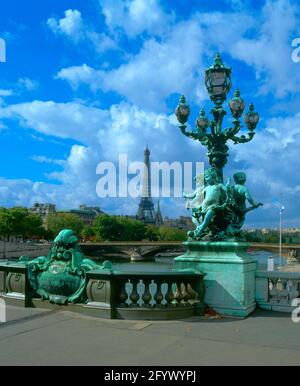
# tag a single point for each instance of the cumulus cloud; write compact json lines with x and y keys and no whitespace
{"x":27,"y":84}
{"x":77,"y":75}
{"x":127,"y":129}
{"x":47,"y":160}
{"x":269,"y":51}
{"x":271,"y":162}
{"x":162,"y":68}
{"x":73,"y":26}
{"x":64,"y":120}
{"x":135,"y":16}
{"x":170,"y":58}
{"x":5,"y":93}
{"x":174,"y":62}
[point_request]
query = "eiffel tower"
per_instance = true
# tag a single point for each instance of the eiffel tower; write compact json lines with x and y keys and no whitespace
{"x":146,"y":212}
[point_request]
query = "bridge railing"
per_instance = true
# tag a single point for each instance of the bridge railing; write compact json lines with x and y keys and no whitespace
{"x":146,"y":295}
{"x":276,"y":290}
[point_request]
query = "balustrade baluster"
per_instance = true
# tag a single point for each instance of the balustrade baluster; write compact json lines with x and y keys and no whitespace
{"x":170,"y":294}
{"x":283,"y":291}
{"x":134,"y":296}
{"x":273,"y":291}
{"x":147,"y":295}
{"x":123,"y":296}
{"x":158,"y":297}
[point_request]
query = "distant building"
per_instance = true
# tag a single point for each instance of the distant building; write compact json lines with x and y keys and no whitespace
{"x":86,"y":213}
{"x":43,"y":210}
{"x":183,"y":222}
{"x":265,"y":231}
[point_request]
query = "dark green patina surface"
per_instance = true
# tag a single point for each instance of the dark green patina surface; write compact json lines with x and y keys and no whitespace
{"x":60,"y":276}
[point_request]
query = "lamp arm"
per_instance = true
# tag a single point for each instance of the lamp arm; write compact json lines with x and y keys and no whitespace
{"x":204,"y":139}
{"x":189,"y":134}
{"x":242,"y":138}
{"x":232,"y":131}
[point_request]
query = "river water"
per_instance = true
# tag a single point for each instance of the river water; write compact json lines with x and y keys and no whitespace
{"x":165,"y":264}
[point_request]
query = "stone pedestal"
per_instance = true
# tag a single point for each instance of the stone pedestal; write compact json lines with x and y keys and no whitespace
{"x":229,"y":274}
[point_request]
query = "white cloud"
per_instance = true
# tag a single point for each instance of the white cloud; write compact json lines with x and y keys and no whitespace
{"x":170,"y":60}
{"x":5,"y":93}
{"x":174,"y":62}
{"x":269,"y":52}
{"x":163,"y":68}
{"x":71,"y":25}
{"x":76,"y":30}
{"x":271,"y":161}
{"x":260,"y":39}
{"x":27,"y":84}
{"x":47,"y":160}
{"x":135,"y":16}
{"x":64,"y":120}
{"x":123,"y":128}
{"x":84,"y":74}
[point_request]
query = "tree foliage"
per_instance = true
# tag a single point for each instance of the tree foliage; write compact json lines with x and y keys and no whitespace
{"x":118,"y":229}
{"x":58,"y":221}
{"x":126,"y":229}
{"x":20,"y":222}
{"x":171,"y":234}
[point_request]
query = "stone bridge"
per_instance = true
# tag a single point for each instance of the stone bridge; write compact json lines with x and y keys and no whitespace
{"x":136,"y":251}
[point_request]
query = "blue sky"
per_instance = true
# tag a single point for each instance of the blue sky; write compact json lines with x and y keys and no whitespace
{"x":86,"y":80}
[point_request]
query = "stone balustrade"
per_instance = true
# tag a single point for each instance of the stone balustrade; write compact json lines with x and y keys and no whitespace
{"x":116,"y":294}
{"x":276,"y":290}
{"x":167,"y":295}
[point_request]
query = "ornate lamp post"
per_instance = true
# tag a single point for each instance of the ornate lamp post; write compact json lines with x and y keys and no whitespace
{"x":218,"y":84}
{"x":216,"y":246}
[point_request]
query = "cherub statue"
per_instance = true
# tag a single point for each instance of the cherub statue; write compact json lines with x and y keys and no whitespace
{"x":195,"y":199}
{"x":205,"y":200}
{"x":240,"y":194}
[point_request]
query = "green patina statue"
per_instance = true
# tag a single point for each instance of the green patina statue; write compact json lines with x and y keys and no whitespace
{"x":239,"y":196}
{"x":219,"y":210}
{"x":61,"y":276}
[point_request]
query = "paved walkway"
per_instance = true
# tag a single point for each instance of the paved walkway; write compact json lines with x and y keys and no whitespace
{"x":33,"y":336}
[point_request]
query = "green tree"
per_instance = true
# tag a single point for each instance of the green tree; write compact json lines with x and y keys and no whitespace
{"x":132,"y":230}
{"x":151,"y":233}
{"x":20,"y":222}
{"x":58,"y":221}
{"x":88,"y":233}
{"x":171,"y":234}
{"x":33,"y":226}
{"x":6,"y":223}
{"x":107,"y":228}
{"x":118,"y":229}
